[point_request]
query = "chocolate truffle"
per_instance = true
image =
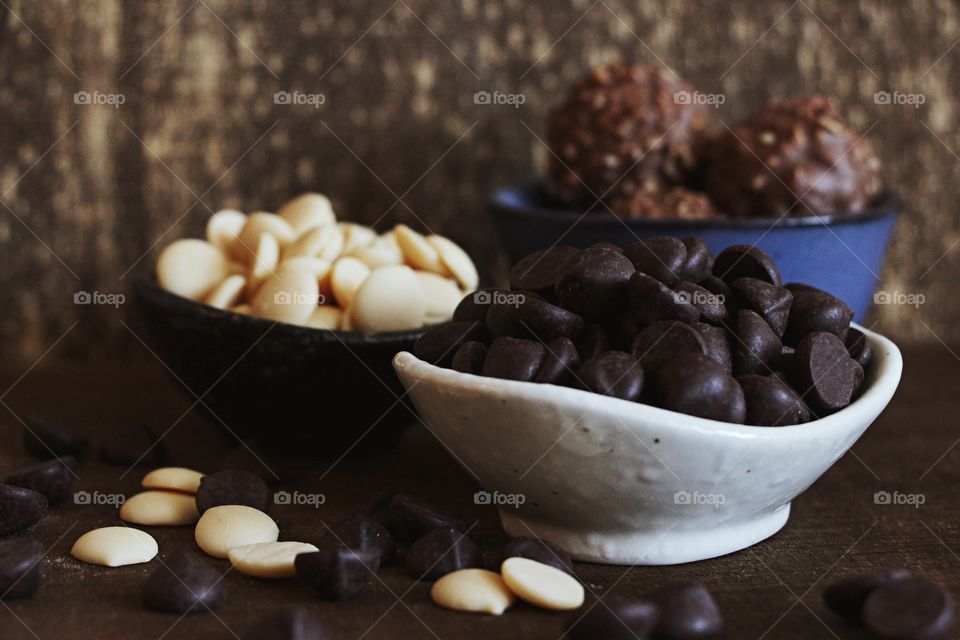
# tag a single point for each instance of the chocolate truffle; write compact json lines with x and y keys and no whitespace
{"x":677,"y":203}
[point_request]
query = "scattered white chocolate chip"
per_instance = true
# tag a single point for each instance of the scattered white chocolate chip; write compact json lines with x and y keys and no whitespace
{"x":382,"y":252}
{"x":259,"y":223}
{"x":356,"y":235}
{"x":227,"y":294}
{"x":325,"y":317}
{"x":160,"y":508}
{"x":173,"y":479}
{"x":456,"y":261}
{"x":192,"y":268}
{"x":346,"y":322}
{"x":268,"y":559}
{"x":224,"y":227}
{"x":346,"y":277}
{"x":115,"y":547}
{"x":227,"y":527}
{"x":390,"y":299}
{"x":322,"y":242}
{"x":473,"y":590}
{"x":442,"y":295}
{"x":308,"y":210}
{"x":417,"y":251}
{"x":243,"y":309}
{"x":289,"y":295}
{"x":264,"y":261}
{"x":542,"y":585}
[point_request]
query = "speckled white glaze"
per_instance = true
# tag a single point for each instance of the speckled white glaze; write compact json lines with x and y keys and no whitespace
{"x":618,"y":482}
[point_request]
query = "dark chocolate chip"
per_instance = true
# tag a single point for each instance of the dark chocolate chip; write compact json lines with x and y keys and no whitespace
{"x":469,"y":357}
{"x":665,"y":340}
{"x":606,"y":245}
{"x":233,"y":486}
{"x":337,"y":574}
{"x":134,"y":444}
{"x":824,"y":373}
{"x":845,"y":597}
{"x":593,"y":284}
{"x":542,"y":551}
{"x":859,"y":347}
{"x":438,"y":345}
{"x":474,"y":306}
{"x":687,"y":611}
{"x":813,"y":311}
{"x":53,"y":479}
{"x":771,"y":402}
{"x":288,"y":623}
{"x":696,"y":268}
{"x":770,"y":302}
{"x":745,"y":261}
{"x":560,"y":363}
{"x":412,"y":518}
{"x":592,"y":341}
{"x":717,"y":343}
{"x":20,"y":508}
{"x":697,"y":385}
{"x":540,"y":271}
{"x":256,"y":461}
{"x":712,"y":306}
{"x":45,"y":438}
{"x":21,"y":567}
{"x":715,"y":285}
{"x":530,"y":317}
{"x":612,"y":373}
{"x":662,"y":258}
{"x":440,"y":552}
{"x":362,"y":532}
{"x":513,"y":359}
{"x":615,"y":621}
{"x":651,"y":301}
{"x":913,"y":608}
{"x":758,"y":348}
{"x":184,"y":583}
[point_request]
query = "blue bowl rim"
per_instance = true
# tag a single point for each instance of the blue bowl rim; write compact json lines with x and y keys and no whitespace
{"x":887,"y":204}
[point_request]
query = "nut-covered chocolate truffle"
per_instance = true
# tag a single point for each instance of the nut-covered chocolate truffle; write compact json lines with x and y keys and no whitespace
{"x":623,"y":129}
{"x":801,"y":148}
{"x":677,"y":203}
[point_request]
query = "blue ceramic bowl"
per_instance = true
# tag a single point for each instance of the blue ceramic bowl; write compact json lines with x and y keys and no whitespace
{"x":841,"y":254}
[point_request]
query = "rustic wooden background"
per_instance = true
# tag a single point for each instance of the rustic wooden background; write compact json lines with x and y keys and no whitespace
{"x":88,"y":192}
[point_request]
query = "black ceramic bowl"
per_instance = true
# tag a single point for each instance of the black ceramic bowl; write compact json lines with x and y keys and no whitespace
{"x":292,"y":389}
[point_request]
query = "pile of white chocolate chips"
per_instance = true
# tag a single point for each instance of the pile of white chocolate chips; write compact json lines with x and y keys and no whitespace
{"x":300,"y":266}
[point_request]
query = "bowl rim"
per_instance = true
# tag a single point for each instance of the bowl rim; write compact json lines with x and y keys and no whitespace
{"x":147,"y":287}
{"x":886,"y":358}
{"x":887,"y":203}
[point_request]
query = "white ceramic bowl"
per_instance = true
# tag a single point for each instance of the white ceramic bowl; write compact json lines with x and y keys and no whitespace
{"x":618,"y":482}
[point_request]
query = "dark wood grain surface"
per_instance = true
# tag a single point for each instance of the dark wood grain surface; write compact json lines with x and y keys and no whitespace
{"x":90,"y":192}
{"x":771,"y":590}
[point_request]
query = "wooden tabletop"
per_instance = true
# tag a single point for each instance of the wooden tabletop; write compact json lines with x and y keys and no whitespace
{"x":771,"y":590}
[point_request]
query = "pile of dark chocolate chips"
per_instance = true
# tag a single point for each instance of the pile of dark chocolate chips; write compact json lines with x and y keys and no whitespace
{"x":664,"y":323}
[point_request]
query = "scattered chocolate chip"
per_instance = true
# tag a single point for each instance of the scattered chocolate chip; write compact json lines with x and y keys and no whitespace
{"x":696,"y":267}
{"x":593,"y":283}
{"x":135,"y":444}
{"x":687,"y":611}
{"x":45,"y":438}
{"x":717,"y":344}
{"x":442,"y":551}
{"x":20,"y":508}
{"x":662,"y":258}
{"x":21,"y":567}
{"x":813,"y":311}
{"x":474,"y":306}
{"x":288,"y":623}
{"x":909,"y":609}
{"x":770,"y":302}
{"x":592,"y":341}
{"x":337,"y":574}
{"x":845,"y":597}
{"x":651,"y":301}
{"x":559,"y":363}
{"x":362,"y":532}
{"x":53,"y":479}
{"x":184,"y":583}
{"x":771,"y":402}
{"x":612,"y":373}
{"x":859,"y":347}
{"x":438,"y":345}
{"x":412,"y":518}
{"x":757,"y":346}
{"x":542,"y":551}
{"x":697,"y":385}
{"x":540,"y":271}
{"x":745,"y":261}
{"x":824,"y":373}
{"x":712,"y":307}
{"x":469,"y":357}
{"x":616,"y":621}
{"x":664,"y":340}
{"x":606,"y":245}
{"x":530,"y":317}
{"x":233,"y":486}
{"x":513,"y":359}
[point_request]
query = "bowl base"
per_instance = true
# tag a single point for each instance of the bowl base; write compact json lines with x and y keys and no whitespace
{"x":670,"y":546}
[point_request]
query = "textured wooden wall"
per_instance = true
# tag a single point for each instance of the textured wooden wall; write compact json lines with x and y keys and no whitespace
{"x":89,"y":192}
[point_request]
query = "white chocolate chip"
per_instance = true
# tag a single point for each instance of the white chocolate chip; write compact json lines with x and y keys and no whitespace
{"x":115,"y":547}
{"x":382,"y":252}
{"x":191,"y":268}
{"x":257,"y":223}
{"x":173,"y":479}
{"x":346,"y":321}
{"x":227,"y":527}
{"x":325,"y":317}
{"x":390,"y":299}
{"x":224,"y":227}
{"x":268,"y":559}
{"x":308,"y":210}
{"x":265,"y":261}
{"x":227,"y":294}
{"x":456,"y":261}
{"x":473,"y":590}
{"x":441,"y":294}
{"x":243,"y":308}
{"x":347,"y":276}
{"x":356,"y":235}
{"x":417,"y":251}
{"x":325,"y":243}
{"x":542,"y":585}
{"x":160,"y":508}
{"x":289,"y":295}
